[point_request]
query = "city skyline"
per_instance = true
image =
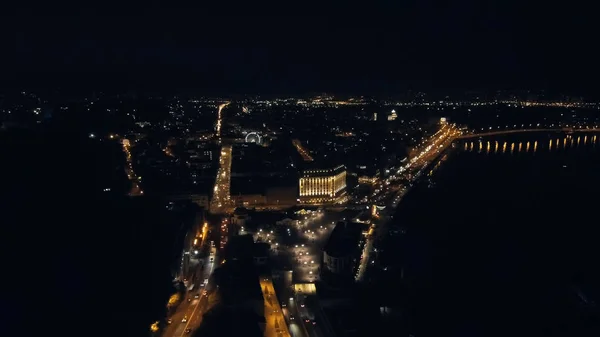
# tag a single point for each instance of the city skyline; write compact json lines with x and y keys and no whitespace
{"x":387,"y":170}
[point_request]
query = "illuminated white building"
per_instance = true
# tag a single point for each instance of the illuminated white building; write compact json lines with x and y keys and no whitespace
{"x":392,"y":116}
{"x":325,"y":186}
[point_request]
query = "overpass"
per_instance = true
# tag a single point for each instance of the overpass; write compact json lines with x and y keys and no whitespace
{"x":511,"y":131}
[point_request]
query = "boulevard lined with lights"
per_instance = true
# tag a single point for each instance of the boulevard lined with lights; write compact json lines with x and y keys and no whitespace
{"x":135,"y":186}
{"x":220,"y":119}
{"x":221,"y":202}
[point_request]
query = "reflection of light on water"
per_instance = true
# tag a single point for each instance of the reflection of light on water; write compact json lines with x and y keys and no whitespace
{"x":564,"y":143}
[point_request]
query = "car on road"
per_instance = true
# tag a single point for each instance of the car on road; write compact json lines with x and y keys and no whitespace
{"x":197,"y":296}
{"x":188,"y":330}
{"x":184,"y":320}
{"x":169,"y":321}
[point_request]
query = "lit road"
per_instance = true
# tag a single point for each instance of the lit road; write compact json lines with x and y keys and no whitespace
{"x":276,"y":326}
{"x":421,"y":156}
{"x":135,"y":187}
{"x":392,"y":193}
{"x":364,"y":260}
{"x":221,"y":201}
{"x":309,"y":314}
{"x":192,"y":308}
{"x":219,"y":123}
{"x":302,"y":151}
{"x":434,"y":145}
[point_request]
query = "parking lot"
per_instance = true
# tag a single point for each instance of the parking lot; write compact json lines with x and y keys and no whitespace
{"x":297,"y":244}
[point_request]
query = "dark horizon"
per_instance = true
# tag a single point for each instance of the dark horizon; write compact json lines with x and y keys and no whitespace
{"x":80,"y":84}
{"x":421,"y":47}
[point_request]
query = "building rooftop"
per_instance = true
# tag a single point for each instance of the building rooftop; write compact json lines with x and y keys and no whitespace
{"x":319,"y":172}
{"x":246,"y":186}
{"x":261,"y":249}
{"x":344,"y":239}
{"x":238,"y":282}
{"x":239,"y":247}
{"x":230,"y":321}
{"x":260,"y":184}
{"x":240,"y":211}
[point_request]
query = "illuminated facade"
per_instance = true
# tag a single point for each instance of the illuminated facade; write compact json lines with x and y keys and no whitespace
{"x":326,"y":186}
{"x":392,"y":116}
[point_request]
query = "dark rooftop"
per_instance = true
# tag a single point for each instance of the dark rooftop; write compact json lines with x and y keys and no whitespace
{"x":230,"y":321}
{"x":238,"y":282}
{"x":261,"y":249}
{"x":247,"y":185}
{"x":240,"y":211}
{"x":239,"y":248}
{"x":344,"y":239}
{"x":259,"y":184}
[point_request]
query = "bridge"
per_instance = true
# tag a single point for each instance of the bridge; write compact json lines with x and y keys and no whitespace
{"x":552,"y":144}
{"x":510,"y":131}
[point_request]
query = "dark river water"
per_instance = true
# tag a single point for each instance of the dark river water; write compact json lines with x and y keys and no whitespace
{"x":505,"y":243}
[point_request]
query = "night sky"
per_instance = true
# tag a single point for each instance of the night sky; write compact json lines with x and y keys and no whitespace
{"x":389,"y":47}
